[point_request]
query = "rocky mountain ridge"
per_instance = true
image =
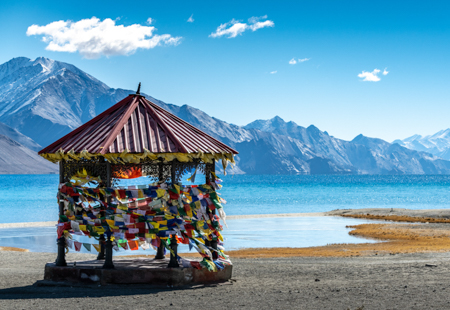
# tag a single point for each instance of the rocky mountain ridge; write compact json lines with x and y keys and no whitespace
{"x":18,"y":159}
{"x":437,"y":144}
{"x":44,"y":99}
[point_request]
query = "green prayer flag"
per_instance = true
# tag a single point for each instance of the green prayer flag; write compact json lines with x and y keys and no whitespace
{"x":87,"y":246}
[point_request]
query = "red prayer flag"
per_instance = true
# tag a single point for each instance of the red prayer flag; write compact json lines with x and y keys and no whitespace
{"x":60,"y":231}
{"x":129,"y":236}
{"x":77,"y":246}
{"x":156,"y":242}
{"x":122,"y":193}
{"x":133,"y":245}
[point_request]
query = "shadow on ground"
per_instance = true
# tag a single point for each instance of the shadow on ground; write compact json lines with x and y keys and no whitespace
{"x":43,"y":289}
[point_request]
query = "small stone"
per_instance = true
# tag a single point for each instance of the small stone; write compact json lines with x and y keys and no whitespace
{"x":317,"y":280}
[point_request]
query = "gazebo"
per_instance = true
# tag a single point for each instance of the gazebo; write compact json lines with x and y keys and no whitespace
{"x":134,"y":138}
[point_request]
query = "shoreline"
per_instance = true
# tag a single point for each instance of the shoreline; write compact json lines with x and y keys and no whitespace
{"x":391,"y":214}
{"x":229,"y":217}
{"x":426,"y":231}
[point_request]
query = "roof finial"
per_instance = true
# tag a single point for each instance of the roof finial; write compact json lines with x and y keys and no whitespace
{"x":138,"y":92}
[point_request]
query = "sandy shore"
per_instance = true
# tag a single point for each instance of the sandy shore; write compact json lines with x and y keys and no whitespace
{"x":378,"y":213}
{"x":389,"y":282}
{"x":229,"y":217}
{"x":410,"y":270}
{"x":28,"y":224}
{"x":396,"y":214}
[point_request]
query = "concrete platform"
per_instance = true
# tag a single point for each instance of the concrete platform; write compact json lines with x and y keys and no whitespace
{"x":133,"y":271}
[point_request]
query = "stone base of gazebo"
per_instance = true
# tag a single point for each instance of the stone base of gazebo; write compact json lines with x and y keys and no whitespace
{"x":133,"y":271}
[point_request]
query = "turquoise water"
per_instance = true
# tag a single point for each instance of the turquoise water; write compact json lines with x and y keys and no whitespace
{"x":240,"y":233}
{"x":32,"y":198}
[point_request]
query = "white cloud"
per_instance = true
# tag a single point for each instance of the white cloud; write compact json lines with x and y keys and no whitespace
{"x":150,"y":21}
{"x":370,"y":76}
{"x":385,"y":72}
{"x":255,"y":19}
{"x":294,"y":61}
{"x":235,"y":27}
{"x":191,"y":19}
{"x":94,"y":38}
{"x":273,"y":72}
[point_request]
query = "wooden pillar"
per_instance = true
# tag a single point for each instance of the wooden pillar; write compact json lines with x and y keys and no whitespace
{"x":173,"y":241}
{"x":109,"y":253}
{"x":173,"y":263}
{"x":173,"y":171}
{"x":160,"y":251}
{"x":101,"y":243}
{"x":213,"y":243}
{"x":107,"y":246}
{"x":160,"y":173}
{"x":61,"y":242}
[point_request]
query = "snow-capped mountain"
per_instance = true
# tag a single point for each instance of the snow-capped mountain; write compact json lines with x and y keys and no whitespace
{"x":44,"y":99}
{"x":437,"y":144}
{"x":362,"y":155}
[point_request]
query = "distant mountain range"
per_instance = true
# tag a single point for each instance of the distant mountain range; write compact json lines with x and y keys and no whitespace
{"x":437,"y":144}
{"x":43,"y":99}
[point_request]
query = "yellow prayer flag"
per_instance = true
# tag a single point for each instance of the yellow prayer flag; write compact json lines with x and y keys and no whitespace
{"x":155,"y":224}
{"x":97,"y":247}
{"x":160,"y":192}
{"x":99,"y":229}
{"x":177,"y":187}
{"x":200,"y":240}
{"x":189,"y":212}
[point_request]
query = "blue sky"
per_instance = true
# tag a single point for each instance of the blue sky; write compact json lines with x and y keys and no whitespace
{"x":233,"y":79}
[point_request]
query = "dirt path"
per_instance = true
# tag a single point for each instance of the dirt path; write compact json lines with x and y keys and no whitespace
{"x":391,"y":282}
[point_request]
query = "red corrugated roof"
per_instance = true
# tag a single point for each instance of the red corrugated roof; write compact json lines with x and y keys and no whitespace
{"x":136,"y":124}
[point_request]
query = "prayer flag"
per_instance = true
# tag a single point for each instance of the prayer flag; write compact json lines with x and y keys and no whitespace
{"x":77,"y":246}
{"x":87,"y":246}
{"x":133,"y":245}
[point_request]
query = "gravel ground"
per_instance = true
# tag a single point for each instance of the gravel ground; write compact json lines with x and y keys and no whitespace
{"x":434,"y":213}
{"x":387,"y":282}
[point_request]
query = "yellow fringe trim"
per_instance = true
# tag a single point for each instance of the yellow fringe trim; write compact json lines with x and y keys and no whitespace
{"x":135,"y":158}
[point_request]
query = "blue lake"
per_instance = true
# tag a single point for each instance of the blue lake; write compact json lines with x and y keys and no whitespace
{"x":241,"y":233}
{"x":32,"y":198}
